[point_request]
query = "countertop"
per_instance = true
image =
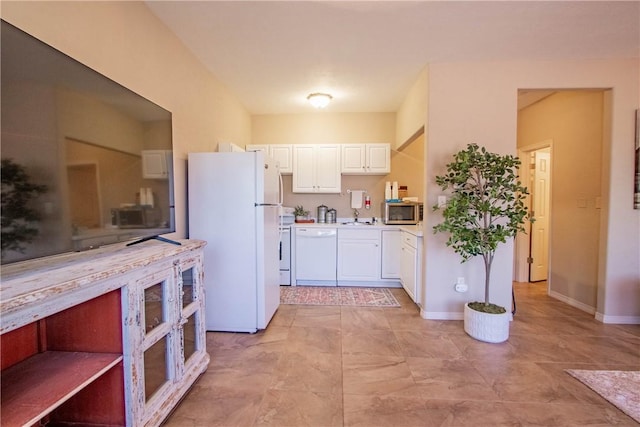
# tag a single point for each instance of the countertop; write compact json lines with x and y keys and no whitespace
{"x":416,"y":230}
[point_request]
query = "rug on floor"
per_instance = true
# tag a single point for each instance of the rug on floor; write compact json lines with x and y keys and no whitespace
{"x":621,"y":388}
{"x":323,"y":295}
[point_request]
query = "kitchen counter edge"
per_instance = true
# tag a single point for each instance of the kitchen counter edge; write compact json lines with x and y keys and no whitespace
{"x":416,"y":230}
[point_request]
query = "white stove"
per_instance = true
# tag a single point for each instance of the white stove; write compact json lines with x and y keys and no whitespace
{"x":286,"y":219}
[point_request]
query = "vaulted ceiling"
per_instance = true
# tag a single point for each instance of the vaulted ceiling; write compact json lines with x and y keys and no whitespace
{"x":272,"y":54}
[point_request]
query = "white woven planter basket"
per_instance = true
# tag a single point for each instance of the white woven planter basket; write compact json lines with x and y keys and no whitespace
{"x":486,"y":327}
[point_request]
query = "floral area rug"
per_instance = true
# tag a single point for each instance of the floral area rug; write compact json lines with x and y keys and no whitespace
{"x":621,"y":388}
{"x":323,"y":295}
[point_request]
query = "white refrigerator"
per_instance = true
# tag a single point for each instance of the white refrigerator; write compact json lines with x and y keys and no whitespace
{"x":234,"y":202}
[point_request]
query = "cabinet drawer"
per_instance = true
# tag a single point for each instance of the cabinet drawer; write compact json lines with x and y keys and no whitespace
{"x":410,"y":239}
{"x":358,"y":234}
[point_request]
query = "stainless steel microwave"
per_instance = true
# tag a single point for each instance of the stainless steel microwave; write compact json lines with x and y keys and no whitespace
{"x":135,"y":217}
{"x":401,"y":212}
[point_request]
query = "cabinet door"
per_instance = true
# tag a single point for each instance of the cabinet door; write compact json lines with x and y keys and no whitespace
{"x":155,"y":164}
{"x":327,"y":166}
{"x":358,"y":260}
{"x":303,"y":169}
{"x":408,"y":270}
{"x":353,"y":158}
{"x":152,"y":341}
{"x":378,"y":159}
{"x":283,"y":154}
{"x":191,"y":308}
{"x":391,"y":254}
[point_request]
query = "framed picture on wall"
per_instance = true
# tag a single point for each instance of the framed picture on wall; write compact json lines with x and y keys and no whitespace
{"x":636,"y":191}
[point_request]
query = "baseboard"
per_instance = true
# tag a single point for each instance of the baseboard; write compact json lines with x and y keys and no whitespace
{"x":573,"y":303}
{"x":618,"y":320}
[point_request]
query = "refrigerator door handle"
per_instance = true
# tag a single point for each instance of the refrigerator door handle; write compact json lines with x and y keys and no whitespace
{"x":281,"y":189}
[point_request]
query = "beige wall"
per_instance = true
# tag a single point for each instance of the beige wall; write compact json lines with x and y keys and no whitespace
{"x":127,"y":43}
{"x":329,"y":128}
{"x":412,"y":114}
{"x":573,"y":121}
{"x":477,"y":102}
{"x":407,"y":167}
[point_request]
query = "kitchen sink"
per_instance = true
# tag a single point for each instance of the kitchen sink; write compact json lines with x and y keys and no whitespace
{"x":356,"y":223}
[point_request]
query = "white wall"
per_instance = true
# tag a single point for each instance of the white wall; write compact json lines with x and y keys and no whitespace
{"x":127,"y":43}
{"x":477,"y":102}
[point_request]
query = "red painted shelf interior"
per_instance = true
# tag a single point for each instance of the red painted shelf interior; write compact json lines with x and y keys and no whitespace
{"x":38,"y":385}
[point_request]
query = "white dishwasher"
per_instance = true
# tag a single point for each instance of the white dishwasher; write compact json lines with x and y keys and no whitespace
{"x":315,"y":256}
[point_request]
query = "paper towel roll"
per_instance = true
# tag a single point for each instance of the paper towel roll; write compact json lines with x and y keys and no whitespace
{"x":356,"y":199}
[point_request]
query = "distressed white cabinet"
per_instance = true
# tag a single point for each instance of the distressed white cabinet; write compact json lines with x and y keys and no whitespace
{"x":157,"y":164}
{"x":358,"y":255}
{"x":113,"y":336}
{"x":167,"y":335}
{"x":391,"y":254}
{"x":282,"y":153}
{"x":366,"y":159}
{"x":316,"y":168}
{"x":411,"y":265}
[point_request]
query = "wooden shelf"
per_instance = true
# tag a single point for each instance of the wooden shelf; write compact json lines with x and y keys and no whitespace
{"x":38,"y":385}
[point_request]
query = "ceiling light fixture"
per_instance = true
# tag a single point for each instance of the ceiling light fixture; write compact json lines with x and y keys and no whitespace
{"x":319,"y":100}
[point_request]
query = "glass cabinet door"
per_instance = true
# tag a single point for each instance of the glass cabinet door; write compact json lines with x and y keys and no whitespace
{"x":157,"y":308}
{"x":191,"y":328}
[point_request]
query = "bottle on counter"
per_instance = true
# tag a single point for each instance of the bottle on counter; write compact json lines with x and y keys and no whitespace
{"x":387,"y":191}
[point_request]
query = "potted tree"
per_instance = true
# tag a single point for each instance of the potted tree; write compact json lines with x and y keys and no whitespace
{"x":485,"y":208}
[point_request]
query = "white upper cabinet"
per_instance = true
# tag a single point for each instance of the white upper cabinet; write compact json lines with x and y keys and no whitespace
{"x":316,"y":168}
{"x":366,"y":159}
{"x":282,"y":153}
{"x":156,"y":164}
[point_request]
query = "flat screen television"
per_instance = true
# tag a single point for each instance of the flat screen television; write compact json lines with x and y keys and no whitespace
{"x":86,"y":162}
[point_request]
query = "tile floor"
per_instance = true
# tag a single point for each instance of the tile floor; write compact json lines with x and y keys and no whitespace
{"x":345,"y":366}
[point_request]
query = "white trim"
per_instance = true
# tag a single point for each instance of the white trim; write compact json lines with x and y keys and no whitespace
{"x":573,"y":303}
{"x":620,"y":320}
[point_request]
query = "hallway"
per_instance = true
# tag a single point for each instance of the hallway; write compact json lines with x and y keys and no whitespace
{"x":335,"y":366}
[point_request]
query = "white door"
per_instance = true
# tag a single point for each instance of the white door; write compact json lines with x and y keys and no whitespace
{"x":327,"y":165}
{"x":282,"y":153}
{"x":303,"y":169}
{"x":353,"y":158}
{"x":539,"y":266}
{"x":378,"y":158}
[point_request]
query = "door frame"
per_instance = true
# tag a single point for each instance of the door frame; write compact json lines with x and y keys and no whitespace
{"x":522,"y":240}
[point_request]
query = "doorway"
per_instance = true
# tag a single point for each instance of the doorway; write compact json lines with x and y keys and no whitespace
{"x":534,"y":245}
{"x":561,"y":139}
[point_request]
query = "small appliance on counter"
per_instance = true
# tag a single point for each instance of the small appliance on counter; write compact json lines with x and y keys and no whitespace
{"x":401,"y":212}
{"x":135,"y":216}
{"x":331,"y":216}
{"x":322,"y":214}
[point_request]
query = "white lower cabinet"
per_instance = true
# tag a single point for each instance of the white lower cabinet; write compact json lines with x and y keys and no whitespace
{"x":391,"y":254}
{"x":410,"y":265}
{"x":358,"y":255}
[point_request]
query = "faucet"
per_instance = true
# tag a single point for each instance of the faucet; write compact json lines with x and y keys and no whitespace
{"x":355,"y":215}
